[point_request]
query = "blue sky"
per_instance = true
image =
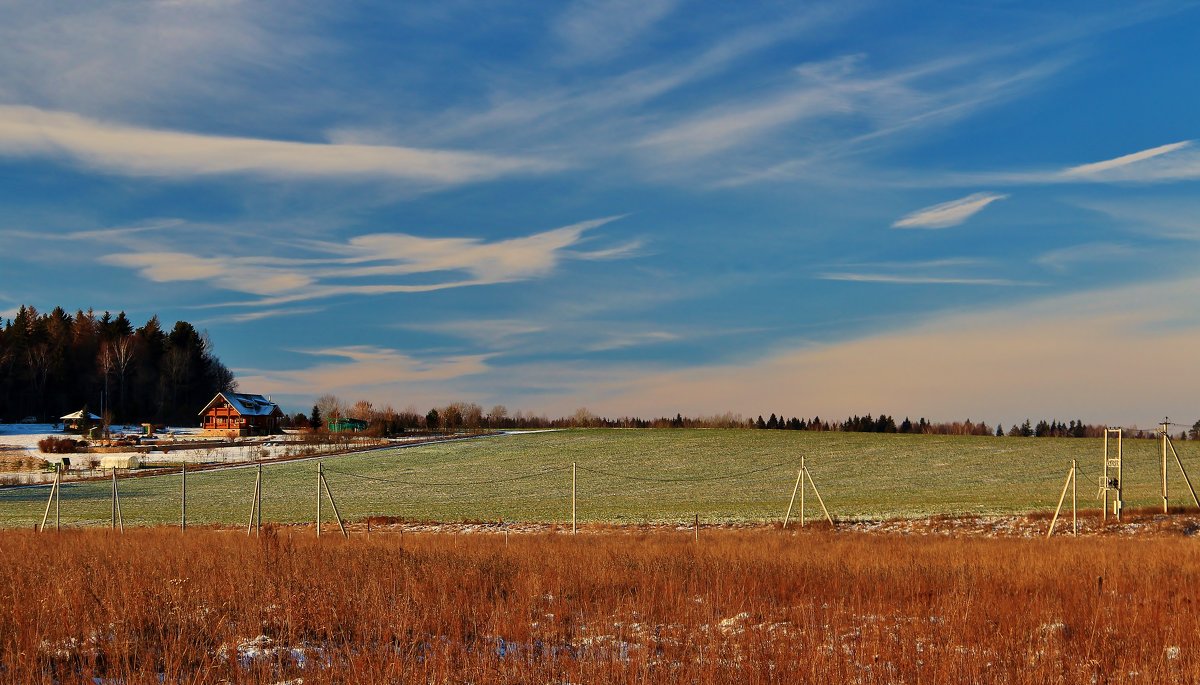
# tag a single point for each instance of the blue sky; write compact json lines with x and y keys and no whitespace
{"x":982,"y":210}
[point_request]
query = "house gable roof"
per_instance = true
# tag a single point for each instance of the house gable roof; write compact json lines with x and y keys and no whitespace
{"x":245,"y":404}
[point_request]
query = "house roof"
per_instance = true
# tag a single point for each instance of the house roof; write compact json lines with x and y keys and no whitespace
{"x":245,"y":404}
{"x":79,"y":416}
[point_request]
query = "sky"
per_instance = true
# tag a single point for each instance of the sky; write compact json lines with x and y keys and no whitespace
{"x":981,"y":210}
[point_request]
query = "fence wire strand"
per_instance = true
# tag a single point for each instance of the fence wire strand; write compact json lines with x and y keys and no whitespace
{"x":489,"y":481}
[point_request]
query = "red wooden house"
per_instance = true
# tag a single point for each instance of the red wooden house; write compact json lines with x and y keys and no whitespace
{"x":241,"y":413}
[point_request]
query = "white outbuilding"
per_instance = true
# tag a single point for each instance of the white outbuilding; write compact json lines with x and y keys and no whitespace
{"x":120,"y":461}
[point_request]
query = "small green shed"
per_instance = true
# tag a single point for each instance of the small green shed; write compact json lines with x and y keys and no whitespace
{"x":347,"y":425}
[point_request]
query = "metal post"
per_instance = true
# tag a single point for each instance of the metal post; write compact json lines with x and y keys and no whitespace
{"x":57,"y":498}
{"x":320,"y":477}
{"x":574,"y":527}
{"x":114,"y":498}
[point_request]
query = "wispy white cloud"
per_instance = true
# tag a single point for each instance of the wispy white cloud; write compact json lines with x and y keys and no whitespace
{"x":591,"y":30}
{"x":584,"y":119}
{"x":1095,"y":168}
{"x":619,"y":341}
{"x":362,"y":369}
{"x":846,"y":110}
{"x":496,"y":333}
{"x":946,"y":262}
{"x":1064,"y":258}
{"x":910,"y":279}
{"x":436,"y":263}
{"x":237,"y":273}
{"x":245,"y":317}
{"x":1163,"y":164}
{"x":714,"y":131}
{"x":116,"y":234}
{"x":93,"y":57}
{"x":948,"y":214}
{"x":32,"y":132}
{"x":1175,"y":218}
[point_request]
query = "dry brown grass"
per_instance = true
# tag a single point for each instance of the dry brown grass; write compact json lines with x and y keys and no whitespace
{"x":741,"y":606}
{"x":20,"y":460}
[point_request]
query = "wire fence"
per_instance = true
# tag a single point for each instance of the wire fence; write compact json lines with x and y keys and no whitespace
{"x":223,"y":495}
{"x":512,"y":488}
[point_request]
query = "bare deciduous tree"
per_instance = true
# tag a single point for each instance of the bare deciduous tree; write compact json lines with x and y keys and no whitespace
{"x":331,"y":406}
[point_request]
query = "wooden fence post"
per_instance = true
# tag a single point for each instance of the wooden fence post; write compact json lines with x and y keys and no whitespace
{"x":1061,"y":498}
{"x":333,"y":504}
{"x":50,"y":500}
{"x":792,"y":501}
{"x":183,"y":498}
{"x":255,"y":503}
{"x":818,"y":494}
{"x":117,"y":499}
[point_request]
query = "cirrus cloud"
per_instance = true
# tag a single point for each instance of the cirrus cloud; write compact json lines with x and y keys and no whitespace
{"x":374,"y":264}
{"x":948,"y":214}
{"x":137,"y":151}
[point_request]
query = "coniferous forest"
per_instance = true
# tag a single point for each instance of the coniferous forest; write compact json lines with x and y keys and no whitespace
{"x":56,"y":363}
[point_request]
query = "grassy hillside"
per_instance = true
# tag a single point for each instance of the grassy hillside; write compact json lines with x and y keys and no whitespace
{"x":621,"y":479}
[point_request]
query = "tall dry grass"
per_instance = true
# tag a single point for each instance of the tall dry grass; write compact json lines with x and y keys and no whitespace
{"x":154,"y":605}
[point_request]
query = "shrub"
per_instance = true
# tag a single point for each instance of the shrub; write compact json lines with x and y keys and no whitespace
{"x":54,"y":445}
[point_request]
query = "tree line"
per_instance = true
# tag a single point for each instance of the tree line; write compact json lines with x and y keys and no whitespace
{"x":468,"y":416}
{"x":56,"y":363}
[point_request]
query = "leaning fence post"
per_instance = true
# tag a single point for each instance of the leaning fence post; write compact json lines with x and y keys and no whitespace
{"x":50,"y":500}
{"x":117,"y":499}
{"x":333,"y":504}
{"x":1061,"y":498}
{"x":792,"y":501}
{"x":817,"y":492}
{"x":255,"y":503}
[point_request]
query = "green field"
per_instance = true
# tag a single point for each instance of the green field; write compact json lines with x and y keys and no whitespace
{"x":527,"y":478}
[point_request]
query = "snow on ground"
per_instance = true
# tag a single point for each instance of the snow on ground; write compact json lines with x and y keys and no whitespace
{"x":27,"y":435}
{"x":21,"y":440}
